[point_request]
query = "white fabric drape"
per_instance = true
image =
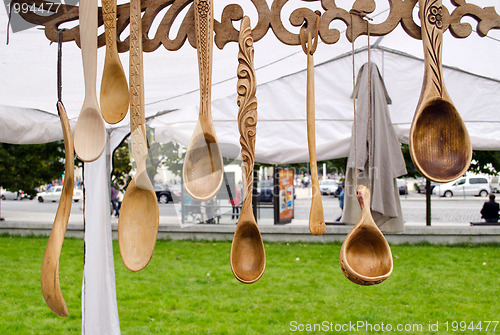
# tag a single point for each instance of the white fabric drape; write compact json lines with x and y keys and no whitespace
{"x":99,"y":306}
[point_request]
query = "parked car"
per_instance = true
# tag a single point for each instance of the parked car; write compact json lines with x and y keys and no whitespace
{"x":328,"y":187}
{"x":164,"y":194}
{"x":474,"y":185}
{"x":421,"y":187}
{"x":265,"y":190}
{"x":54,"y":194}
{"x":8,"y":195}
{"x":403,"y":188}
{"x":495,"y":184}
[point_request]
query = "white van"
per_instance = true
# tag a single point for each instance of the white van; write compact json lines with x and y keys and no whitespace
{"x":472,"y":185}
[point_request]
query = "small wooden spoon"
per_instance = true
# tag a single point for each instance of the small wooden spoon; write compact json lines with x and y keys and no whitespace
{"x":114,"y":86}
{"x":90,"y":132}
{"x":139,"y":214}
{"x":248,"y":257}
{"x":203,"y":170}
{"x":317,"y":224}
{"x":365,"y":256}
{"x":440,"y":144}
{"x":50,"y":266}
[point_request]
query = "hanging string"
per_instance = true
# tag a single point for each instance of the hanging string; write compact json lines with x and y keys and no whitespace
{"x":59,"y":65}
{"x":370,"y":146}
{"x":354,"y":109}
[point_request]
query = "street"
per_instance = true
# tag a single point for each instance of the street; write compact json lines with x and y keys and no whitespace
{"x":445,"y":211}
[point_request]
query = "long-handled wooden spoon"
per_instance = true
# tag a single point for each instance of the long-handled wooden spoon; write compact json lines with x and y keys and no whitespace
{"x":114,"y":86}
{"x":139,"y":214}
{"x":90,"y":132}
{"x":365,"y":256}
{"x":50,"y":266}
{"x":440,"y":144}
{"x":317,"y":224}
{"x":203,"y":170}
{"x":248,"y":257}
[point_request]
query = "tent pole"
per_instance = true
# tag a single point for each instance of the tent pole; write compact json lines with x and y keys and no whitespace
{"x":428,"y":202}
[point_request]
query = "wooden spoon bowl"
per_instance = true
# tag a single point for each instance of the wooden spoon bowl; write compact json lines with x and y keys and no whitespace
{"x":439,"y":125}
{"x":248,"y":257}
{"x":203,"y":166}
{"x":138,"y":226}
{"x":365,"y":256}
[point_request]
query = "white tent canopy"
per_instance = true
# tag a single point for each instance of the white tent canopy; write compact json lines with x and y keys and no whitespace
{"x":472,"y":77}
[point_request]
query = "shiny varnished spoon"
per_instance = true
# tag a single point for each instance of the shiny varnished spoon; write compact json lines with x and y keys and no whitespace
{"x":139,"y":214}
{"x":203,"y":169}
{"x":440,"y":144}
{"x":90,"y":131}
{"x":50,"y":266}
{"x":114,"y":86}
{"x":365,"y":256}
{"x":248,"y":257}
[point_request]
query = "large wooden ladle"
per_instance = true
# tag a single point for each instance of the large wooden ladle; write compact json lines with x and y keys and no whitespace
{"x":139,"y":214}
{"x":114,"y":86}
{"x":440,"y":144}
{"x":90,"y":131}
{"x":365,"y":256}
{"x":50,"y":266}
{"x":203,"y":169}
{"x":248,"y":257}
{"x":317,"y":224}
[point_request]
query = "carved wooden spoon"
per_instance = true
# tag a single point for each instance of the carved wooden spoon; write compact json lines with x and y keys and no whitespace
{"x":139,"y":214}
{"x":365,"y":256}
{"x":50,"y":266}
{"x":317,"y":224}
{"x":203,"y":170}
{"x":248,"y":257}
{"x":440,"y":144}
{"x":90,"y":132}
{"x":114,"y":86}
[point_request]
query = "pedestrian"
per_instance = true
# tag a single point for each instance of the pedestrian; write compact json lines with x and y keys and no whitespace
{"x":114,"y":201}
{"x":341,"y":201}
{"x":235,"y":202}
{"x":490,"y":209}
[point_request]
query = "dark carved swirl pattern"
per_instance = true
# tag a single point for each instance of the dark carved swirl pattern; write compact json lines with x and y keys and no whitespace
{"x":247,"y":102}
{"x":432,"y":13}
{"x":401,"y":12}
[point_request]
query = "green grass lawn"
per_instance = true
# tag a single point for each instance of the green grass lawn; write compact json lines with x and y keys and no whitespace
{"x":188,"y":288}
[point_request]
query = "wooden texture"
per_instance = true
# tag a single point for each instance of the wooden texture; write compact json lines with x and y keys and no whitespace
{"x":50,"y":265}
{"x":139,"y":214}
{"x":270,"y":19}
{"x":203,"y":169}
{"x":248,"y":257}
{"x":365,"y":256}
{"x":317,"y":224}
{"x":114,"y":86}
{"x":90,"y":131}
{"x":440,"y":144}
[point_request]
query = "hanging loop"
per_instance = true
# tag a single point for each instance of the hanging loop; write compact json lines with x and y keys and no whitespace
{"x":309,"y":46}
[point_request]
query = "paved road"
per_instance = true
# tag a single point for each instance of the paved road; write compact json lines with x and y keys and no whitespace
{"x":454,"y":211}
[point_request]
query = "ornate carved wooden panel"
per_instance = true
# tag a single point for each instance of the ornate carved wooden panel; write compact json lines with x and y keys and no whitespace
{"x":270,"y":18}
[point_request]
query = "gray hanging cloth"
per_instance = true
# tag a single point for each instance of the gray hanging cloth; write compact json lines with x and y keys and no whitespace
{"x":387,"y":159}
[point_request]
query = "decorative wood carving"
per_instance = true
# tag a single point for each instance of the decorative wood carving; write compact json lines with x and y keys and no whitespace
{"x":247,"y":103}
{"x":401,"y":12}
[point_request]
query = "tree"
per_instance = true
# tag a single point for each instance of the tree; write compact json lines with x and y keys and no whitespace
{"x":26,"y":167}
{"x":120,"y":176}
